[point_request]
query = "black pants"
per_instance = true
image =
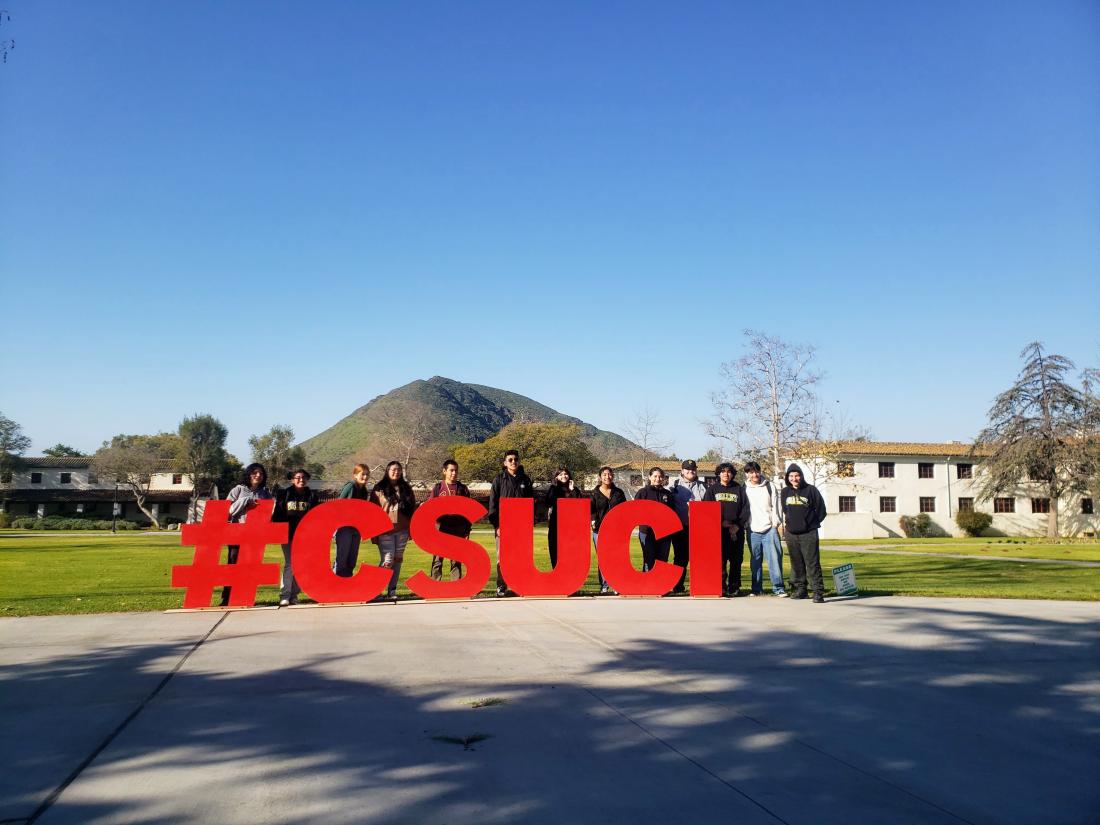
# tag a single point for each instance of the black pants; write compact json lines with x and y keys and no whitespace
{"x":680,"y":544}
{"x":805,"y":556}
{"x":653,"y":549}
{"x":733,"y":556}
{"x":347,"y":551}
{"x":234,"y":551}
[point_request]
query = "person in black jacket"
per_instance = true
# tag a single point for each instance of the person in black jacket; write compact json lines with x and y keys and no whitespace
{"x":604,"y":497}
{"x":735,"y":517}
{"x":803,"y":512}
{"x":563,"y":487}
{"x":291,"y":505}
{"x":512,"y":482}
{"x":652,"y":547}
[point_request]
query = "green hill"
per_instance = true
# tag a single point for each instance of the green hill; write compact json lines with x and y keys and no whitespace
{"x":429,"y":416}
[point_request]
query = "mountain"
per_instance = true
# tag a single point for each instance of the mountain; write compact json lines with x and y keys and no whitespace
{"x":441,"y":412}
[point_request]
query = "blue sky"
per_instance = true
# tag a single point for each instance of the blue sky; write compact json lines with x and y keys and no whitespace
{"x":274,"y":212}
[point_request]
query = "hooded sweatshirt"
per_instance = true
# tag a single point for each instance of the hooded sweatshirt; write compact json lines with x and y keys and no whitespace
{"x":762,"y":504}
{"x":803,"y":507}
{"x":685,"y":492}
{"x":506,"y":485}
{"x":735,"y":506}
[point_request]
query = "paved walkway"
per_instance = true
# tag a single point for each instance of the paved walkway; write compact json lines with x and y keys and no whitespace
{"x":589,"y":710}
{"x":863,"y":548}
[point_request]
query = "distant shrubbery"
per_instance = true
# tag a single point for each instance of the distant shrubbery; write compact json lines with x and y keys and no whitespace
{"x":75,"y":523}
{"x":973,"y":522}
{"x":916,"y":527}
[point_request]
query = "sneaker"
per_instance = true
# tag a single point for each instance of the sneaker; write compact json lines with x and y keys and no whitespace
{"x":798,"y":594}
{"x":756,"y":594}
{"x":819,"y":598}
{"x":284,"y":602}
{"x":605,"y":589}
{"x":502,"y":592}
{"x":781,"y":594}
{"x":735,"y":592}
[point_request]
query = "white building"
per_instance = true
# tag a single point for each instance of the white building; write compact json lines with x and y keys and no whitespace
{"x":868,"y":486}
{"x":67,"y":487}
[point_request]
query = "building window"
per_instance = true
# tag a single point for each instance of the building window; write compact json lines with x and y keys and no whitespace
{"x":845,"y":469}
{"x":966,"y":505}
{"x":1086,"y":507}
{"x":177,"y":478}
{"x":1040,"y":505}
{"x":926,"y":470}
{"x":93,"y":478}
{"x":886,"y":469}
{"x":847,"y":504}
{"x":965,"y":470}
{"x":66,"y":478}
{"x":1004,"y":505}
{"x":928,"y":504}
{"x":887,"y":504}
{"x":36,"y":478}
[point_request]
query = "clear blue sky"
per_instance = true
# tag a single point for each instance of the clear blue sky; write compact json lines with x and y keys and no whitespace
{"x":275,"y":211}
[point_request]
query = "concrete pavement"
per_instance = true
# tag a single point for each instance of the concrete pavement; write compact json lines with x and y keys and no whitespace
{"x":596,"y":710}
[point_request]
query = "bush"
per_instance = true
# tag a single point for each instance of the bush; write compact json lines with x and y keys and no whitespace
{"x":973,"y":522}
{"x":916,"y":527}
{"x":24,"y":523}
{"x":5,"y":521}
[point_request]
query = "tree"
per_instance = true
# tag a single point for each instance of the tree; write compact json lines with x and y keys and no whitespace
{"x":404,"y":434}
{"x":60,"y":450}
{"x":1042,"y":429}
{"x":201,"y":455}
{"x":543,"y":448}
{"x":276,"y":450}
{"x":768,"y":403}
{"x":642,"y":429}
{"x":13,"y":443}
{"x":132,"y":460}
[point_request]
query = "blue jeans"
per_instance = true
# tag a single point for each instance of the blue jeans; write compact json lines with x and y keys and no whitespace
{"x":391,"y":548}
{"x":760,"y":543}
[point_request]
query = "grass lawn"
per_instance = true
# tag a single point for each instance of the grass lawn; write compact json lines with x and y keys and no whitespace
{"x":1028,"y":548}
{"x":45,"y":573}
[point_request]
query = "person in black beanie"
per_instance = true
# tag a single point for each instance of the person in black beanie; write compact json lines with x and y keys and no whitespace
{"x":735,"y":516}
{"x":803,"y":512}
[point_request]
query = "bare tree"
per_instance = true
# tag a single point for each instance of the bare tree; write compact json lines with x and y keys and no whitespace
{"x":768,"y":402}
{"x":132,"y":460}
{"x":831,"y":434}
{"x":1042,"y":429}
{"x":643,"y":429}
{"x":403,"y":434}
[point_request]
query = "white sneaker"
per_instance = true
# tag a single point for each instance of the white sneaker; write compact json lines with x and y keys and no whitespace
{"x":782,"y":594}
{"x":284,"y":602}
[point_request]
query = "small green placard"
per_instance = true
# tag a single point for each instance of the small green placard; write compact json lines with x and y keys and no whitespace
{"x":844,"y":580}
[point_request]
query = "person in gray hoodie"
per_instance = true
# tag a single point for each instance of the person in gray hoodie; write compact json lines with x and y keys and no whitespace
{"x":763,"y":532}
{"x":685,"y":489}
{"x":803,"y":512}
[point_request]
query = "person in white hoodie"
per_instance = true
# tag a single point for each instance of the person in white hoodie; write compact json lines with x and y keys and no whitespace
{"x":763,"y":531}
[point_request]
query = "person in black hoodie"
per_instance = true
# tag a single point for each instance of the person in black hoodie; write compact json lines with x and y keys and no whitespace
{"x":512,"y":482}
{"x":735,"y":518}
{"x":803,"y":512}
{"x":563,"y":487}
{"x":652,"y":547}
{"x":291,"y":505}
{"x":604,"y":497}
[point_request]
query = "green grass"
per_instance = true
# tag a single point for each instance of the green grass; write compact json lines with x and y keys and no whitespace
{"x":1028,"y":548}
{"x":44,"y":573}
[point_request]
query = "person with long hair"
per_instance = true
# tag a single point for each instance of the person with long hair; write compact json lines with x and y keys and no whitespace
{"x":348,"y":538}
{"x":394,"y":495}
{"x":653,"y":548}
{"x":452,"y":525}
{"x":563,"y":487}
{"x":242,"y":498}
{"x":604,"y":497}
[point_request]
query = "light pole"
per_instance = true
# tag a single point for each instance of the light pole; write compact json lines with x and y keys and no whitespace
{"x":114,"y":509}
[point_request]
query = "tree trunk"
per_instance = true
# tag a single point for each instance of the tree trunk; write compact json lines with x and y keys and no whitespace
{"x":1052,"y":516}
{"x":140,"y":499}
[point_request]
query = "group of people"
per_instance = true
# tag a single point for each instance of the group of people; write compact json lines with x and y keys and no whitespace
{"x":752,"y":511}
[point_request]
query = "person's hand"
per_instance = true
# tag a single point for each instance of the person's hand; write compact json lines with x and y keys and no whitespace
{"x":570,"y":485}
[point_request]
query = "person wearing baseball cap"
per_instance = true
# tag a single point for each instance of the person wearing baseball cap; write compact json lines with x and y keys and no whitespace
{"x":685,"y":489}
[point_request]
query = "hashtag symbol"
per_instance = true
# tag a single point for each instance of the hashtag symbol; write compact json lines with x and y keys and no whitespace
{"x":206,"y":571}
